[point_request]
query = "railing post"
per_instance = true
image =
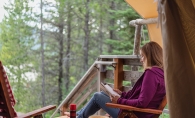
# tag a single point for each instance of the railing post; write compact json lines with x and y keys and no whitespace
{"x":137,"y":40}
{"x":101,"y":77}
{"x":118,"y":74}
{"x":102,"y":70}
{"x":63,"y":109}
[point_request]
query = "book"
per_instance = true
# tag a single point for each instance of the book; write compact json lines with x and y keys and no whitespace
{"x":109,"y":90}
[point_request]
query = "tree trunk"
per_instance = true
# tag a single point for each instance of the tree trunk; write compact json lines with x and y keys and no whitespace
{"x":101,"y":28}
{"x":112,"y":24}
{"x":67,"y":59}
{"x":86,"y":40}
{"x":61,"y":51}
{"x":42,"y":59}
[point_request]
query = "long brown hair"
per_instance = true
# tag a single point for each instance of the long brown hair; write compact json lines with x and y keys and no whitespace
{"x":153,"y":53}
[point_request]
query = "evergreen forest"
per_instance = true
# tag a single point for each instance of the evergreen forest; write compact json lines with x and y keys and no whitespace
{"x":46,"y":46}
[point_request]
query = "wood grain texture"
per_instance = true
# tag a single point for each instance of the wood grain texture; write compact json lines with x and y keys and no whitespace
{"x":118,"y":74}
{"x":131,"y":108}
{"x":38,"y":111}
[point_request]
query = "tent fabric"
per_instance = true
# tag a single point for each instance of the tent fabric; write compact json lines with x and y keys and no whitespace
{"x":155,"y":33}
{"x":148,"y":9}
{"x":193,"y":1}
{"x":177,"y":20}
{"x":145,"y":8}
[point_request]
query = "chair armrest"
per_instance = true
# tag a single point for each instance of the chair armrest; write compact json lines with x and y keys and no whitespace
{"x":131,"y":108}
{"x":37,"y":112}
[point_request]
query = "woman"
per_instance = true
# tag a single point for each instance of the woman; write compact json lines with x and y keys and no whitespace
{"x":148,"y":91}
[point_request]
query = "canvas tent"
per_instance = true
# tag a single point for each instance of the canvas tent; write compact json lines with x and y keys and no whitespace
{"x":177,"y":21}
{"x":148,"y":9}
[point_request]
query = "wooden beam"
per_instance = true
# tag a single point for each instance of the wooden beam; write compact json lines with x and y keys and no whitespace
{"x":65,"y":106}
{"x":137,"y":39}
{"x":131,"y":108}
{"x":143,"y":21}
{"x":38,"y":112}
{"x":118,"y":74}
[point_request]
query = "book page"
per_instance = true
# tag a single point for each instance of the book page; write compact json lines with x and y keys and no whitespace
{"x":109,"y":90}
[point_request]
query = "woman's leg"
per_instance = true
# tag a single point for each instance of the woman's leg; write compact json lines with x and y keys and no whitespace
{"x":97,"y":102}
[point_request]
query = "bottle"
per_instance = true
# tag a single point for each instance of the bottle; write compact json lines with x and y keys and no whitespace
{"x":72,"y":110}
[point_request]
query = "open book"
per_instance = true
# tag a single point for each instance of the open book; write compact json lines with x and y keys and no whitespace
{"x":109,"y":90}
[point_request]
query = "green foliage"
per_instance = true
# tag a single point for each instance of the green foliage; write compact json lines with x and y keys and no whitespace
{"x":120,"y":47}
{"x":16,"y":39}
{"x":20,"y":44}
{"x":164,"y":115}
{"x":123,"y":43}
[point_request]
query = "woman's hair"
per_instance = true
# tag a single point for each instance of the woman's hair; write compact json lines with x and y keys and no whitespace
{"x":153,"y":53}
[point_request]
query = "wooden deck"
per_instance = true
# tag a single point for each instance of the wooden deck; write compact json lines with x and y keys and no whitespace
{"x":119,"y":71}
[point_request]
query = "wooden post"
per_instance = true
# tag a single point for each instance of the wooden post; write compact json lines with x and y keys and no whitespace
{"x":102,"y":70}
{"x":63,"y":109}
{"x":118,"y":74}
{"x":137,"y":41}
{"x":101,"y":77}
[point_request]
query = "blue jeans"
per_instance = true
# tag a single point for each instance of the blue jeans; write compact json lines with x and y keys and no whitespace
{"x":96,"y":103}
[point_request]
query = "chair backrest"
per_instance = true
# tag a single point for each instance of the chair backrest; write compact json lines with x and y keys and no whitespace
{"x":6,"y":109}
{"x":161,"y":106}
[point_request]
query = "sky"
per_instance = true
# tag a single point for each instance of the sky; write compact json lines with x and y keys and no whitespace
{"x":35,"y":4}
{"x":28,"y":75}
{"x":2,"y":11}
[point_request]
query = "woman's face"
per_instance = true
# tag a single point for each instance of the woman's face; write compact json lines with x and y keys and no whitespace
{"x":143,"y":59}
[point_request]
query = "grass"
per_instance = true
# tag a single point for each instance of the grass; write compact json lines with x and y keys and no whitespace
{"x":164,"y":115}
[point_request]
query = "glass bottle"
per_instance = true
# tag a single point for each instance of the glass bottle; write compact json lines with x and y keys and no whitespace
{"x":72,"y":110}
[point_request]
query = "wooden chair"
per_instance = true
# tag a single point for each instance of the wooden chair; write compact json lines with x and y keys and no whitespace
{"x":128,"y":110}
{"x":6,"y":107}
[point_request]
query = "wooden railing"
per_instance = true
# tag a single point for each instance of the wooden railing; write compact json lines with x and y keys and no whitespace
{"x":119,"y":71}
{"x":123,"y":70}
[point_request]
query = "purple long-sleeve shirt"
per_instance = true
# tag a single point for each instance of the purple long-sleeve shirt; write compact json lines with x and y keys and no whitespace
{"x":148,"y":92}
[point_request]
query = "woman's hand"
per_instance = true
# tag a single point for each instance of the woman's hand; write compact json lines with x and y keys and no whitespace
{"x":114,"y":99}
{"x":118,"y":91}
